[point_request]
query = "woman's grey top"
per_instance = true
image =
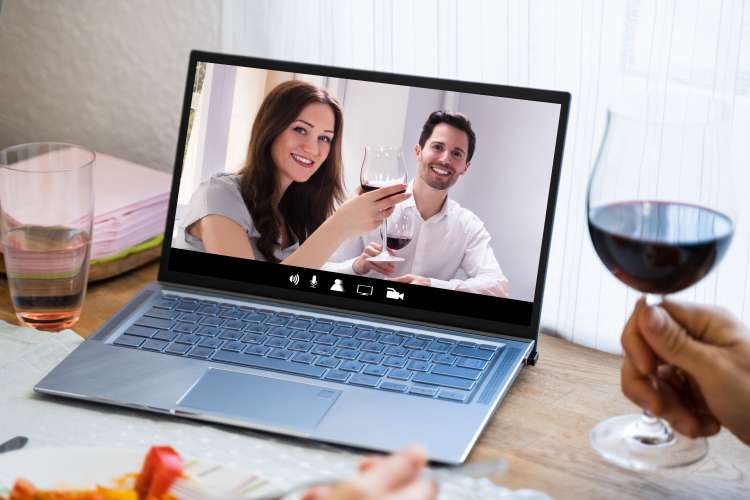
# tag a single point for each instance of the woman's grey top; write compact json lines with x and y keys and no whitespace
{"x":220,"y":195}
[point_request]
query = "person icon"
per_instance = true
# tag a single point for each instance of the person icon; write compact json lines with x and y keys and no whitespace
{"x":338,"y":286}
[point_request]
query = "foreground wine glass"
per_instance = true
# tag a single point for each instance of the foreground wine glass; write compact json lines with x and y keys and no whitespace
{"x":660,"y":215}
{"x":383,"y":166}
{"x":401,"y":226}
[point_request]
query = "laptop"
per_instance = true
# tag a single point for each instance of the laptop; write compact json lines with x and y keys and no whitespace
{"x":369,"y":360}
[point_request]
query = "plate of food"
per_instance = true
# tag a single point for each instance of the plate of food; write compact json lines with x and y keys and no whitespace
{"x":116,"y":474}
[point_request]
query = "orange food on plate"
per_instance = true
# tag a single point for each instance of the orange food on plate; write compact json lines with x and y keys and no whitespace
{"x":162,"y":466}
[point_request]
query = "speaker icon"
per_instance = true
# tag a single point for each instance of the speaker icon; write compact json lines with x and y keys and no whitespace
{"x":294,"y":278}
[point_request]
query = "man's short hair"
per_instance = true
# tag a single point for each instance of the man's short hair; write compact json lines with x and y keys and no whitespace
{"x":454,"y":119}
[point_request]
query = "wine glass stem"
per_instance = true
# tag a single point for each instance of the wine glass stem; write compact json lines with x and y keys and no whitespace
{"x":385,"y":236}
{"x":649,"y":429}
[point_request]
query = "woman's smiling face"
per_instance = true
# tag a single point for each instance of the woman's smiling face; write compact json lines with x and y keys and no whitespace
{"x":304,"y":145}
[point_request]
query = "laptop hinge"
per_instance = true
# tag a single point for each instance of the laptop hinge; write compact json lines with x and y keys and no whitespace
{"x":532,"y":358}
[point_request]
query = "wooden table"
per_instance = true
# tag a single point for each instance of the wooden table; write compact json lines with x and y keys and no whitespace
{"x":541,"y":427}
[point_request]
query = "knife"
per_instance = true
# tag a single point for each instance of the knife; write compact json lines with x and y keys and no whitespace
{"x":15,"y":443}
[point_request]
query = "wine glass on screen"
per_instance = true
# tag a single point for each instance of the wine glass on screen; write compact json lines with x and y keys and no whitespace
{"x":661,"y":216}
{"x":383,"y":166}
{"x":401,"y":226}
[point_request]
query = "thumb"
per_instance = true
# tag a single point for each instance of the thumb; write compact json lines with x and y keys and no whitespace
{"x":671,"y":342}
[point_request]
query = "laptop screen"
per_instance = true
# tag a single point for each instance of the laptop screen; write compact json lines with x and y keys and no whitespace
{"x":417,"y":198}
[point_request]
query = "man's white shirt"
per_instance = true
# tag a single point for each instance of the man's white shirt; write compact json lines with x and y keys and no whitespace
{"x":453,"y":239}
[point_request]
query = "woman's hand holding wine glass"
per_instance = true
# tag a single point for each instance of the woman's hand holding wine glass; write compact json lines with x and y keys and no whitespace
{"x":361,"y":214}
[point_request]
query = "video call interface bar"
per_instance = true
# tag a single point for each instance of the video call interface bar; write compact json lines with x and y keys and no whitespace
{"x":334,"y":285}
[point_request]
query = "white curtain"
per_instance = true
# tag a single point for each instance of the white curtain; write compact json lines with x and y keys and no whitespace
{"x":595,"y":49}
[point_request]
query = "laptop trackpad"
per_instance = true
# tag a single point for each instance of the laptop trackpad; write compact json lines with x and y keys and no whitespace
{"x":259,"y":399}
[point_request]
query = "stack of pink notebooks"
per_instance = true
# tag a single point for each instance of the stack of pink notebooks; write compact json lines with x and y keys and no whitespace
{"x":130,"y":208}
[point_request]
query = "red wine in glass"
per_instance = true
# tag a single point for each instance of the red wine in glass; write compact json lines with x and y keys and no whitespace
{"x":396,"y":243}
{"x":659,"y":247}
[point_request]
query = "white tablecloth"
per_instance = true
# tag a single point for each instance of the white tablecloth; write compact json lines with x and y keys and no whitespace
{"x":26,"y":355}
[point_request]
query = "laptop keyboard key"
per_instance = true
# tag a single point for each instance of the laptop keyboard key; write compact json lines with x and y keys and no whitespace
{"x":208,"y":331}
{"x":351,"y":366}
{"x":269,"y":363}
{"x":455,"y":371}
{"x":234,"y":324}
{"x":337,"y":375}
{"x":414,"y":343}
{"x":440,"y":346}
{"x":141,"y":331}
{"x":365,"y":380}
{"x":366,"y":334}
{"x":396,"y":351}
{"x":300,"y":324}
{"x":420,"y":355}
{"x":453,"y":395}
{"x":423,"y":391}
{"x":305,"y":336}
{"x":258,"y":350}
{"x":474,"y":363}
{"x":393,"y":386}
{"x":303,"y":357}
{"x":327,"y":362}
{"x":321,"y":327}
{"x":233,"y":345}
{"x":190,"y":318}
{"x":391,"y":339}
{"x":155,"y":312}
{"x":299,"y":345}
{"x":420,"y":366}
{"x":211,"y":321}
{"x":256,"y":328}
{"x":165,"y":335}
{"x":187,"y":306}
{"x":209,"y":310}
{"x":344,"y":331}
{"x":279,"y":331}
{"x":472,"y":352}
{"x":372,"y":358}
{"x":349,"y":343}
{"x":252,"y":338}
{"x":444,"y":359}
{"x":375,"y":347}
{"x":443,"y":380}
{"x":377,"y":370}
{"x":185,"y":327}
{"x":166,"y":303}
{"x":232,"y":313}
{"x":179,"y":349}
{"x":347,"y":354}
{"x":323,"y":350}
{"x":277,"y":320}
{"x":325,"y":339}
{"x":188,"y":338}
{"x":276,"y":342}
{"x":394,"y":362}
{"x":255,"y":317}
{"x":161,"y":324}
{"x":129,"y":341}
{"x":231,"y":335}
{"x":280,"y":353}
{"x":200,"y":352}
{"x":154,"y":345}
{"x":211,"y":343}
{"x":400,"y":374}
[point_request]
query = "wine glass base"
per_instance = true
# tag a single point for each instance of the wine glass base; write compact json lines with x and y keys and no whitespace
{"x":385,"y":257}
{"x":615,"y":441}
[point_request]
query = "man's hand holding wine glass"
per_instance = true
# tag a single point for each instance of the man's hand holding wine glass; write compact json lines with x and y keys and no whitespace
{"x":364,"y":265}
{"x":699,"y":357}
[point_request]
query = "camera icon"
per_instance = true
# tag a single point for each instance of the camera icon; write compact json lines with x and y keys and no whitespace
{"x":391,"y":293}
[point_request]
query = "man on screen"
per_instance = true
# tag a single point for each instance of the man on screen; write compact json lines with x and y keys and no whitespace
{"x":448,"y":241}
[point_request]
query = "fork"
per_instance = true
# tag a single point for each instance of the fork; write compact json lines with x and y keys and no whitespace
{"x":186,"y":490}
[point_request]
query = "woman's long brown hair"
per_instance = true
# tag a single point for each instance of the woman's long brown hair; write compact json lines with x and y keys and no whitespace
{"x":305,"y":205}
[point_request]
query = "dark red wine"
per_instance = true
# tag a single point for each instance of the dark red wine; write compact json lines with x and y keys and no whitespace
{"x":659,"y":247}
{"x":396,"y":242}
{"x":372,"y":187}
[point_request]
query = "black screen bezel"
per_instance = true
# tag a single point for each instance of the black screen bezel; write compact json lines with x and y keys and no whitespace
{"x":468,"y":320}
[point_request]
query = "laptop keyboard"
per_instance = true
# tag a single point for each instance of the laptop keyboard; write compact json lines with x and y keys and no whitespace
{"x":335,"y":351}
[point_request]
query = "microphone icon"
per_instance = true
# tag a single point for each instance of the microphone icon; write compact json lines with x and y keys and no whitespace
{"x":313,"y":282}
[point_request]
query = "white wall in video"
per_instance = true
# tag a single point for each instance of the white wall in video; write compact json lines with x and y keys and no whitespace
{"x":472,"y":217}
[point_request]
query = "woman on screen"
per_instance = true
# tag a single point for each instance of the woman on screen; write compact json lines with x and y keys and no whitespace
{"x":280,"y":206}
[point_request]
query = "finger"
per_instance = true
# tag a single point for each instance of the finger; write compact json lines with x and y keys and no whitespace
{"x":395,"y":471}
{"x":638,"y":388}
{"x":676,"y":410}
{"x":406,"y":278}
{"x":633,"y":344}
{"x":388,"y":212}
{"x":713,"y":325}
{"x":671,"y":342}
{"x":369,"y":462}
{"x":385,"y":192}
{"x":319,"y":492}
{"x":391,"y":201}
{"x":418,"y":490}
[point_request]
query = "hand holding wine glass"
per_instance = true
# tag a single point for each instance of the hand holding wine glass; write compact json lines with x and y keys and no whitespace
{"x":660,"y":211}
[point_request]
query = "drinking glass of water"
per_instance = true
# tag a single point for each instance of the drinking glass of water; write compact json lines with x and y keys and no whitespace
{"x":46,"y":217}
